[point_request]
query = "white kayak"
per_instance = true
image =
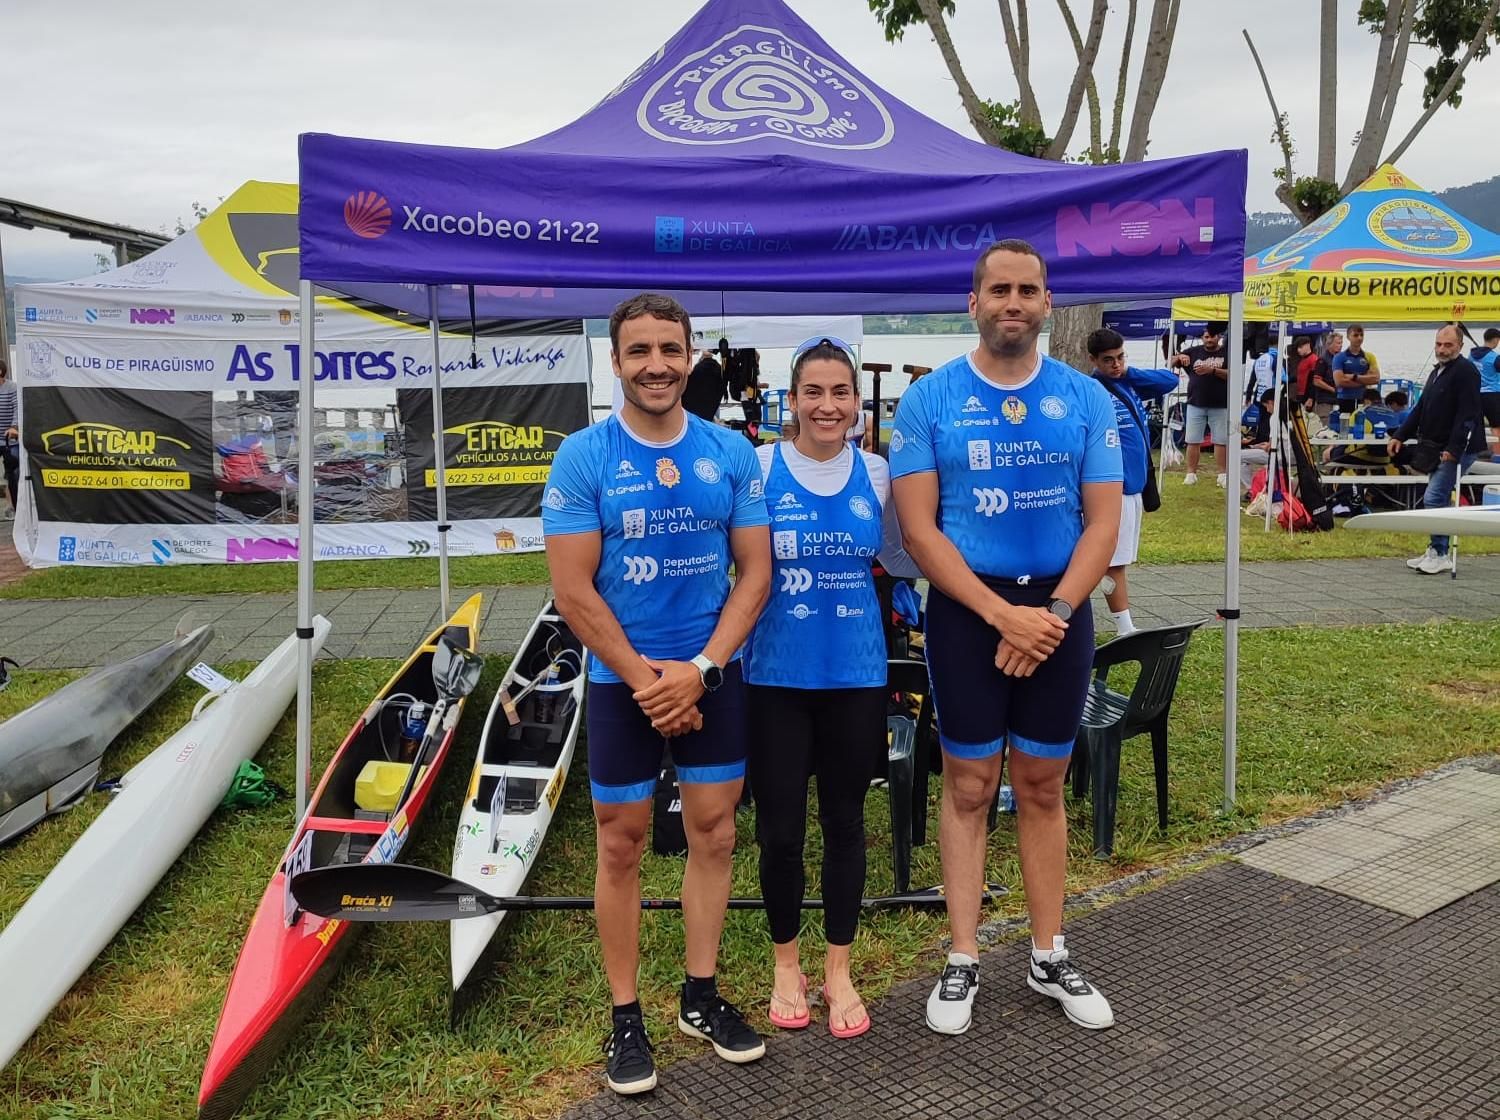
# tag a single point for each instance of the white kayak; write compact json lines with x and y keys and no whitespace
{"x":1474,"y":521}
{"x":518,"y":776}
{"x":111,"y":868}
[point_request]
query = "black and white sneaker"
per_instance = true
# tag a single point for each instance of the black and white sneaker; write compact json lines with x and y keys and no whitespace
{"x":1058,"y":978}
{"x":629,"y":1068}
{"x":950,"y":1008}
{"x":718,"y":1021}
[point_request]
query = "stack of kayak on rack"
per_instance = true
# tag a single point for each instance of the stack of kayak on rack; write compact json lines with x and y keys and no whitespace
{"x":370,"y":797}
{"x":362,"y":811}
{"x":51,"y":753}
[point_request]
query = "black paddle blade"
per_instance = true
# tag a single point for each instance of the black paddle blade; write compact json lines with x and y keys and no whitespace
{"x":388,"y":892}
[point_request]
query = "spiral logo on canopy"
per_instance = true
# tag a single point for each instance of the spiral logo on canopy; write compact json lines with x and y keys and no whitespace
{"x":757,"y":84}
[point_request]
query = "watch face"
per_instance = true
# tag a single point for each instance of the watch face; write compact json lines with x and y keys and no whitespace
{"x":1061,"y":608}
{"x":713,"y":677}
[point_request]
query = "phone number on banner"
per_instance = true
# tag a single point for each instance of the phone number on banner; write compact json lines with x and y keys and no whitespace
{"x":490,"y":476}
{"x":117,"y":480}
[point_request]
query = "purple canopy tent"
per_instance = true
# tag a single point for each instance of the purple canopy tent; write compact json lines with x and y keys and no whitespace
{"x":747,"y":168}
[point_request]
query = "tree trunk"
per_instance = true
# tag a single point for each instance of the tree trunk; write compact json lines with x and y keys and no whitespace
{"x":1071,"y":327}
{"x":1153,"y":73}
{"x":1328,"y":68}
{"x":1083,"y":80}
{"x":1122,"y":84}
{"x":1018,"y":46}
{"x":932,"y":12}
{"x":1390,"y":60}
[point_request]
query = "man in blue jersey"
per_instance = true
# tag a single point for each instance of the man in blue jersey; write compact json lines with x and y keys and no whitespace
{"x":1131,"y":388}
{"x":1006,"y":470}
{"x":1488,"y":361}
{"x":643,"y":514}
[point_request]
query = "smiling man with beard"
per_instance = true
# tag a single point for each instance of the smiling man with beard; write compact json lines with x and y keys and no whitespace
{"x":1007,"y":477}
{"x":644,"y":513}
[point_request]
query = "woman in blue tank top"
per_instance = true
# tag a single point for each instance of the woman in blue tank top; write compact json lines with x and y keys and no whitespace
{"x":816,"y":666}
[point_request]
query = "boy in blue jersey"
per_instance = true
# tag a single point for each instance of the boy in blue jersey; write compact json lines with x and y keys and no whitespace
{"x":643,"y":514}
{"x":1354,"y":369}
{"x":1130,"y":388}
{"x":1006,"y":471}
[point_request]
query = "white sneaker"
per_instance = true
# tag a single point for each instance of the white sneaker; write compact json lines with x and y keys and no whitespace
{"x":1416,"y":562}
{"x":1432,"y":565}
{"x":950,"y":1008}
{"x":1190,"y":479}
{"x":1223,"y":481}
{"x":1059,"y":979}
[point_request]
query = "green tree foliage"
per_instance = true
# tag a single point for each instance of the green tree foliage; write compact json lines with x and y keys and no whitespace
{"x":1445,"y":26}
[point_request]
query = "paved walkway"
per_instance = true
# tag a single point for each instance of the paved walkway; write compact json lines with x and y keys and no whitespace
{"x":1238,"y":992}
{"x":73,"y":633}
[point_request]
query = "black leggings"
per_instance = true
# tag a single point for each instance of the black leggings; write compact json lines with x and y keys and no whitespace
{"x":836,"y":734}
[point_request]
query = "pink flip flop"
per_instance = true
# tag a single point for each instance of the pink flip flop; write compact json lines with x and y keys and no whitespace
{"x":788,"y":1022}
{"x":844,"y":1032}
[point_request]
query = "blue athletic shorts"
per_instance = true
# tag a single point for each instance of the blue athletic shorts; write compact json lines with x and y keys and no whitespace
{"x":978,"y":706}
{"x":625,"y":751}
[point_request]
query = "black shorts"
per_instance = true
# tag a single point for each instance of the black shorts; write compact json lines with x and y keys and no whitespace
{"x":979,"y":707}
{"x":625,"y":751}
{"x":1490,"y":403}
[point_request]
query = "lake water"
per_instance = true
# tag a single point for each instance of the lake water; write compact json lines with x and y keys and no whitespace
{"x":1402,"y":353}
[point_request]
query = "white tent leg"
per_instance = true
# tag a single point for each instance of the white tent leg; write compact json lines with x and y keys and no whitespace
{"x":1274,"y":457}
{"x":305,"y":553}
{"x":437,"y":448}
{"x":1166,"y":406}
{"x":1231,"y":611}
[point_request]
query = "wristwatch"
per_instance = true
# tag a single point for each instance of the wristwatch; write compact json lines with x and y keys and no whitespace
{"x":1061,"y":608}
{"x":709,"y":671}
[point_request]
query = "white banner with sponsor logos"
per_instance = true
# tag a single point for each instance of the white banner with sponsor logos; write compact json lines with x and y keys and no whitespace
{"x":131,"y":545}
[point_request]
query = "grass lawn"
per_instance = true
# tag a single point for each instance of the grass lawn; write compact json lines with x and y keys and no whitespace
{"x":130,"y":1039}
{"x":1189,"y":528}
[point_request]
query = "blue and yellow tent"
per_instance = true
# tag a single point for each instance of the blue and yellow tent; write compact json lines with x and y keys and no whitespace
{"x":1390,"y":252}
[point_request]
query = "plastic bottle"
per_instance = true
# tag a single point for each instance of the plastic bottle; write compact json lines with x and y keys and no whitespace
{"x":1334,"y":419}
{"x":1007,"y":799}
{"x":1379,"y":429}
{"x":546,"y":699}
{"x":412,"y":730}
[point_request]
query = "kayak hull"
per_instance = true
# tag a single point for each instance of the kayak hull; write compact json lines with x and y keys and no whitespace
{"x":497,"y":852}
{"x":123,"y":854}
{"x":289,"y":957}
{"x":1473,"y":521}
{"x":50,"y":753}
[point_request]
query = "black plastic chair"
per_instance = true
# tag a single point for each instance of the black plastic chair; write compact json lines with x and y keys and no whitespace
{"x":1109,"y":718}
{"x":908,"y":755}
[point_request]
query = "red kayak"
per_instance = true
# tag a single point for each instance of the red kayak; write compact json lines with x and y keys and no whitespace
{"x":362,"y":812}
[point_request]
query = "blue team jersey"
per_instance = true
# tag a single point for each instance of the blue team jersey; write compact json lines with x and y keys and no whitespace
{"x":664,"y":513}
{"x":1137,"y":386}
{"x":1489,"y":372}
{"x":1011,"y":462}
{"x":821,"y":627}
{"x":1354,"y":365}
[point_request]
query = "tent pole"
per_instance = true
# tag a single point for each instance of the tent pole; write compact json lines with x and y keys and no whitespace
{"x":305,"y":553}
{"x":1231,"y":611}
{"x":437,"y":447}
{"x":1273,"y":457}
{"x":1166,"y":432}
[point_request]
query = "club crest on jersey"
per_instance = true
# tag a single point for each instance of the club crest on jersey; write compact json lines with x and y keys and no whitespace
{"x":707,"y":470}
{"x":1053,"y":408}
{"x":667,"y":473}
{"x":1014,"y":409}
{"x":859,"y":505}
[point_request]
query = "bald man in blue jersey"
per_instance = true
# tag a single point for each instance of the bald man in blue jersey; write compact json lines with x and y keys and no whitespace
{"x":1006,"y":471}
{"x":643,"y":514}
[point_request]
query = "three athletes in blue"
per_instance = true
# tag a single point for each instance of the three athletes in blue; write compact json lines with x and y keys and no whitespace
{"x":643,"y":515}
{"x":1006,"y":472}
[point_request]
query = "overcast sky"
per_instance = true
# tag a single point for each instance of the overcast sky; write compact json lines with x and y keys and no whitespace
{"x":131,"y":110}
